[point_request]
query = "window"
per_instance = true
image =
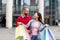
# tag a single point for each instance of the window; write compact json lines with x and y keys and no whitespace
{"x":51,"y":7}
{"x":2,"y":12}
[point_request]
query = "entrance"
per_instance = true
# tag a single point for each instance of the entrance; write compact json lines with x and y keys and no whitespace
{"x":2,"y":20}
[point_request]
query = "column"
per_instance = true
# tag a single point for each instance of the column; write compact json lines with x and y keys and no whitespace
{"x":9,"y":11}
{"x":41,"y":8}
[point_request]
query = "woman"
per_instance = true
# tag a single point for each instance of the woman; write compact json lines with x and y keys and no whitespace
{"x":36,"y":25}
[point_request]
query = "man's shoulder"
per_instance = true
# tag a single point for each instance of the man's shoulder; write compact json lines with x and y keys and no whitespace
{"x":29,"y":17}
{"x":19,"y":17}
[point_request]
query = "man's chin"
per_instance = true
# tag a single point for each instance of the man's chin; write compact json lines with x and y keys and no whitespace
{"x":26,"y":14}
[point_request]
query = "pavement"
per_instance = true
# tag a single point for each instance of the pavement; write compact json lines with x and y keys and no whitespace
{"x":9,"y":34}
{"x":56,"y":31}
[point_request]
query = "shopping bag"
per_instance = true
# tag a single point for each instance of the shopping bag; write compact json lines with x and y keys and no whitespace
{"x":48,"y":35}
{"x":21,"y":33}
{"x":51,"y":35}
{"x":45,"y":35}
{"x":27,"y":33}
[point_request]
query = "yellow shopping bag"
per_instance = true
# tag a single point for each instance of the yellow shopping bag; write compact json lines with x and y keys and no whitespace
{"x":20,"y":32}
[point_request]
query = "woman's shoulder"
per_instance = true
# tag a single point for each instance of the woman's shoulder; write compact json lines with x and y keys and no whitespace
{"x":32,"y":20}
{"x":40,"y":23}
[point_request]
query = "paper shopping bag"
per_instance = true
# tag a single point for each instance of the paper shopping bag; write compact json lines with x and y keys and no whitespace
{"x":27,"y":33}
{"x":45,"y":35}
{"x":20,"y":32}
{"x":51,"y":35}
{"x":48,"y":35}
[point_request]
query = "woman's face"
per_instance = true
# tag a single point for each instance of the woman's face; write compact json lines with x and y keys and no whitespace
{"x":36,"y":15}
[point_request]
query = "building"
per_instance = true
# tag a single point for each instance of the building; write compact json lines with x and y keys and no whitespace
{"x":51,"y":12}
{"x":11,"y":9}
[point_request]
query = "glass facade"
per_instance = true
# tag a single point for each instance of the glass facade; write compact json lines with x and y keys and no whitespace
{"x":51,"y":12}
{"x":16,"y":10}
{"x":2,"y":12}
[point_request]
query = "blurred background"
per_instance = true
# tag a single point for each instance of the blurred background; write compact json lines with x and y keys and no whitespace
{"x":51,"y":10}
{"x":11,"y":9}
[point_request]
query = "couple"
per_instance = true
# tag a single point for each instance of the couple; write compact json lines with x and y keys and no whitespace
{"x":34,"y":25}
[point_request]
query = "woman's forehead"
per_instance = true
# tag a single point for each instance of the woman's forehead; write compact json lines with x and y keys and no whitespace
{"x":35,"y":13}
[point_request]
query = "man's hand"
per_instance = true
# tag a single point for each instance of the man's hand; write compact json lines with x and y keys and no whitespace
{"x":19,"y":23}
{"x":28,"y":31}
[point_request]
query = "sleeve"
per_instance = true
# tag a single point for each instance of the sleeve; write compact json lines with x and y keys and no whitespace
{"x":41,"y":27}
{"x":28,"y":24}
{"x":17,"y":20}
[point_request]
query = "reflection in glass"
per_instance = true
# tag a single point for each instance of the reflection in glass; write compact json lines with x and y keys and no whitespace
{"x":26,"y":2}
{"x":4,"y":6}
{"x":2,"y":13}
{"x":51,"y":7}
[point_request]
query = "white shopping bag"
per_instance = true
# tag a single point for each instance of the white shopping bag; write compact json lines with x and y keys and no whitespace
{"x":48,"y":35}
{"x":51,"y":35}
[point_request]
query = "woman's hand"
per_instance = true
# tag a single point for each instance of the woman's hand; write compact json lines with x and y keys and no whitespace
{"x":46,"y":25}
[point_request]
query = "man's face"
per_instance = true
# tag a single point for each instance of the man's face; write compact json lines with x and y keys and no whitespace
{"x":26,"y":11}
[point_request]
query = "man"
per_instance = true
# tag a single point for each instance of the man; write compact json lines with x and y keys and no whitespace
{"x":24,"y":18}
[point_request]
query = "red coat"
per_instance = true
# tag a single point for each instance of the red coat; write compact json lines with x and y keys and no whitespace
{"x":24,"y":20}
